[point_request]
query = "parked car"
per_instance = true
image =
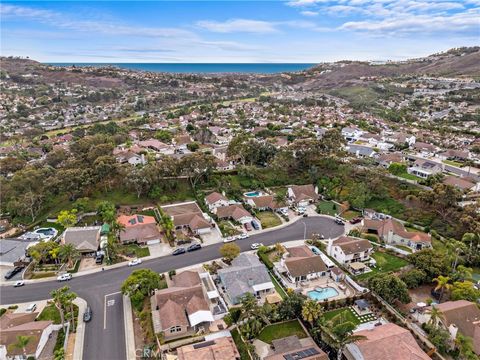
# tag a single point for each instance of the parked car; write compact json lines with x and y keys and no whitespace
{"x":305,"y":215}
{"x":13,"y":272}
{"x":178,"y":251}
{"x":229,"y":239}
{"x":99,"y":259}
{"x":248,"y":226}
{"x":339,"y":222}
{"x":194,"y":247}
{"x":301,"y":210}
{"x":255,"y":225}
{"x":134,"y":262}
{"x":284,"y":212}
{"x":31,"y":308}
{"x":19,"y":283}
{"x":87,"y":315}
{"x":355,"y":220}
{"x":243,"y":236}
{"x":64,"y":277}
{"x":255,"y":246}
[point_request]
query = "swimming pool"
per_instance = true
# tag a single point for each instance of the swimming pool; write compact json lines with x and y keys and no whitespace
{"x":252,"y":194}
{"x":322,"y":293}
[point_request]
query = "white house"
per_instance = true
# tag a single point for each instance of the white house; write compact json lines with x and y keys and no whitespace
{"x":347,"y":249}
{"x":351,"y":133}
{"x":299,"y":264}
{"x":424,"y":168}
{"x":216,"y":200}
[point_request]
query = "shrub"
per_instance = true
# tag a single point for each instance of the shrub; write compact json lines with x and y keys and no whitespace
{"x":413,"y":278}
{"x":264,"y":258}
{"x":171,"y":274}
{"x":370,"y":237}
{"x":2,"y":311}
{"x":13,"y":307}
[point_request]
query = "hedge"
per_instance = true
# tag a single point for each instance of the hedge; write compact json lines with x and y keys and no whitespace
{"x":264,"y":258}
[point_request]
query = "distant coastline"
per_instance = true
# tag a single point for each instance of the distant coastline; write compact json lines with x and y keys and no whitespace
{"x":254,"y":68}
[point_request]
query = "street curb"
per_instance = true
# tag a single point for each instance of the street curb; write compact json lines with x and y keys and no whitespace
{"x":80,"y":333}
{"x":128,"y":327}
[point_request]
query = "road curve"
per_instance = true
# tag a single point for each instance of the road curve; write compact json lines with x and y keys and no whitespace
{"x":104,"y":338}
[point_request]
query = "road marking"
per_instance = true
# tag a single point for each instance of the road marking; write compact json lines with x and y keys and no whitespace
{"x":109,"y":303}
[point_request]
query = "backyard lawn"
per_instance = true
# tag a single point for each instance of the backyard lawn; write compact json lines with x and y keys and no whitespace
{"x":348,"y":314}
{"x":351,"y":214}
{"x":281,"y":330}
{"x":385,"y":263}
{"x":268,"y":219}
{"x":278,"y":287}
{"x":327,"y":208}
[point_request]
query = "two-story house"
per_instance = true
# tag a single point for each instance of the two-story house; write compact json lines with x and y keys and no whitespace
{"x":347,"y":249}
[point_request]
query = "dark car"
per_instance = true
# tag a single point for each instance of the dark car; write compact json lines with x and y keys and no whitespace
{"x":355,"y":220}
{"x":179,"y":251}
{"x":255,"y":225}
{"x":13,"y":272}
{"x":194,"y":247}
{"x":305,"y":215}
{"x":248,"y":227}
{"x":99,"y":259}
{"x":339,"y":222}
{"x":87,"y":315}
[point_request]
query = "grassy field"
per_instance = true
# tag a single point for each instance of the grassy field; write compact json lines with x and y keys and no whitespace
{"x":346,"y":313}
{"x":408,"y":176}
{"x":350,"y":214}
{"x":281,"y":330}
{"x":242,"y":348}
{"x":452,"y":163}
{"x":403,"y":247}
{"x":226,"y":228}
{"x":385,"y":263}
{"x":268,"y":219}
{"x":327,"y":208}
{"x":134,"y":249}
{"x":387,"y":205}
{"x":50,"y":312}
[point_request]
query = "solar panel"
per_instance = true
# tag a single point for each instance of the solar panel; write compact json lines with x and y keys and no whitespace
{"x":303,"y":354}
{"x":203,"y":344}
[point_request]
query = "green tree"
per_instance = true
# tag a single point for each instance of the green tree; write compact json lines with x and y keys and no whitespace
{"x":68,"y":253}
{"x":67,"y":218}
{"x":464,"y":290}
{"x":389,"y":287}
{"x":311,"y":311}
{"x":413,"y":278}
{"x":291,"y":307}
{"x":465,"y":347}
{"x":22,"y":343}
{"x":60,"y":297}
{"x":342,"y":332}
{"x":442,"y":285}
{"x":164,"y":136}
{"x":432,"y":262}
{"x":140,"y":284}
{"x":359,"y":195}
{"x":435,"y":315}
{"x":107,"y":212}
{"x":397,"y":168}
{"x":229,"y":251}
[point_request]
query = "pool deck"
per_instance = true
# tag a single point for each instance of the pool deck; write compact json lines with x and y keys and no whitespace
{"x":343,"y":289}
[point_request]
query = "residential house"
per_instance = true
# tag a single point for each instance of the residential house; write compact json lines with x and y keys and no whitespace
{"x":141,"y":229}
{"x":182,"y":141}
{"x":299,"y":264}
{"x":266,"y":202}
{"x":351,"y":133}
{"x":347,"y":249}
{"x":246,"y":275}
{"x":13,"y":325}
{"x":361,"y":151}
{"x":181,"y":309}
{"x":215,"y":200}
{"x":292,"y":348}
{"x":222,"y":348}
{"x":12,"y":251}
{"x":457,"y":316}
{"x":131,"y":158}
{"x":385,"y":342}
{"x":387,"y":159}
{"x":235,"y":212}
{"x":454,"y":154}
{"x":189,"y":216}
{"x":461,"y":183}
{"x":85,"y":239}
{"x":157,"y":146}
{"x":424,"y":168}
{"x":393,"y":232}
{"x":302,"y":195}
{"x":424,"y":149}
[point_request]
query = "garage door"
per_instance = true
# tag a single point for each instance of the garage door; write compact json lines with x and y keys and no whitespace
{"x":153,"y":242}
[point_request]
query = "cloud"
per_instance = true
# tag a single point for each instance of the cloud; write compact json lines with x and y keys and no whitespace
{"x":309,"y":13}
{"x":301,"y":3}
{"x":238,"y":25}
{"x":460,"y":22}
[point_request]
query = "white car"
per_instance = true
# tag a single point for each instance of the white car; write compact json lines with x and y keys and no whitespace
{"x":229,"y":239}
{"x":243,"y":236}
{"x":19,"y":283}
{"x":255,"y":246}
{"x":64,"y":277}
{"x":284,"y":212}
{"x":134,"y":262}
{"x":31,"y":308}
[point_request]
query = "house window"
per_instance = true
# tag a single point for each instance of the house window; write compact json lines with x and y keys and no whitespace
{"x":175,"y":329}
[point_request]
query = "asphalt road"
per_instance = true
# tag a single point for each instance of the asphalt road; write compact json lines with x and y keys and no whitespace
{"x":104,"y":336}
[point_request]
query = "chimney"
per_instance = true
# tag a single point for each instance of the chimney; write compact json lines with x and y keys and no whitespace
{"x":452,"y":329}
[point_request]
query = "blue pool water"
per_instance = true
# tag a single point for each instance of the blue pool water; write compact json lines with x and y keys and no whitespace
{"x":322,"y":293}
{"x":252,"y":194}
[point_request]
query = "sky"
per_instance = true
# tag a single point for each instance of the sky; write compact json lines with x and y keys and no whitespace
{"x":292,"y":31}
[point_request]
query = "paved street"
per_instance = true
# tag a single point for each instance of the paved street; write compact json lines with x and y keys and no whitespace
{"x":105,"y":338}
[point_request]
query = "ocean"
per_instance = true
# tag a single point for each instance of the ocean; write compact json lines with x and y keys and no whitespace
{"x":260,"y":68}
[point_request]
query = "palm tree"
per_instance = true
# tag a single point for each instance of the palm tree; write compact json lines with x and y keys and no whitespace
{"x":464,"y":273}
{"x":69,"y":298}
{"x":465,"y":347}
{"x":69,"y":253}
{"x":117,"y":228}
{"x":341,"y":332}
{"x":22,"y":342}
{"x":311,"y":311}
{"x":435,"y":315}
{"x":442,"y":285}
{"x":59,"y":299}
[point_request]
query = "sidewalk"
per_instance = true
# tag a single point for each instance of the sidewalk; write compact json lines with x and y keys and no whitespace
{"x":80,"y":333}
{"x":129,"y":331}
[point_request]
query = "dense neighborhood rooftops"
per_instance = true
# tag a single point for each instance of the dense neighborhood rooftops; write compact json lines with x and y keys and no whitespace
{"x":386,"y":342}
